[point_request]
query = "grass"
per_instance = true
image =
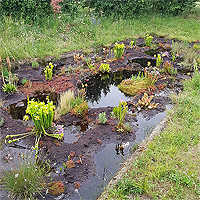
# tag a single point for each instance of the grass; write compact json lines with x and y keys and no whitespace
{"x":25,"y":179}
{"x":169,"y":167}
{"x":62,"y":34}
{"x":64,"y":105}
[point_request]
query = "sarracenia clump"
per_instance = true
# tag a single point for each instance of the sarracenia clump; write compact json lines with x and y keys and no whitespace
{"x":42,"y":116}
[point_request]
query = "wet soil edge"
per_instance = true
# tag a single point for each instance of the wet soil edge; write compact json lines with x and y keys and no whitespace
{"x":128,"y":163}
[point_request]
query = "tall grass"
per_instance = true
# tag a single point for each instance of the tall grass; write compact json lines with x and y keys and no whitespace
{"x":56,"y":35}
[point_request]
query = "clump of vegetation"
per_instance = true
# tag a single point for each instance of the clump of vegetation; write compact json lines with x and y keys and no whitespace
{"x":145,"y":101}
{"x":120,"y":113}
{"x":42,"y":116}
{"x":56,"y":187}
{"x":104,"y":68}
{"x":148,"y":40}
{"x":24,"y":81}
{"x":168,"y":69}
{"x":79,"y":107}
{"x":35,"y":64}
{"x":127,"y":127}
{"x":49,"y":71}
{"x":196,"y":46}
{"x":102,"y":118}
{"x":159,"y":60}
{"x":26,"y":179}
{"x":189,"y":54}
{"x":8,"y":87}
{"x":140,"y":82}
{"x":119,"y":50}
{"x":64,"y":105}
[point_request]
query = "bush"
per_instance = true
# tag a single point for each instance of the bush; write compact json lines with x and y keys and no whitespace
{"x":28,"y":10}
{"x":128,"y":8}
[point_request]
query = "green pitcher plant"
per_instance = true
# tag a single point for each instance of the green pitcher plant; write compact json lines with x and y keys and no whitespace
{"x":42,"y":116}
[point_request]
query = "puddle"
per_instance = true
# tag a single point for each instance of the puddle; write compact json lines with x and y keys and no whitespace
{"x":144,"y":62}
{"x":102,"y":91}
{"x":73,"y":132}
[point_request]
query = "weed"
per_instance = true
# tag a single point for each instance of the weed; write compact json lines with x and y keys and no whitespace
{"x":35,"y":64}
{"x":102,"y":118}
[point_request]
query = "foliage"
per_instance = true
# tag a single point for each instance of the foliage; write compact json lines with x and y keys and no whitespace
{"x":64,"y":105}
{"x":56,"y":7}
{"x":169,"y":69}
{"x":9,"y":88}
{"x":104,"y":68}
{"x":150,"y":77}
{"x":42,"y":116}
{"x":174,"y":56}
{"x":80,"y":108}
{"x":35,"y":64}
{"x":159,"y":60}
{"x":24,"y":179}
{"x":28,"y":10}
{"x":102,"y":118}
{"x":145,"y":101}
{"x":49,"y":71}
{"x":120,"y":112}
{"x":129,"y":8}
{"x":119,"y":50}
{"x":11,"y":80}
{"x":24,"y":81}
{"x":196,"y":46}
{"x":127,"y":127}
{"x":136,"y":83}
{"x":56,"y":187}
{"x":148,"y":40}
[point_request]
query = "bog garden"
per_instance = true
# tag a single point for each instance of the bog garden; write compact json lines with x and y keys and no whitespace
{"x":78,"y":99}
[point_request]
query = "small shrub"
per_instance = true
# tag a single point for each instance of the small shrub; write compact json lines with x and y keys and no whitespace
{"x":35,"y":64}
{"x":102,"y":118}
